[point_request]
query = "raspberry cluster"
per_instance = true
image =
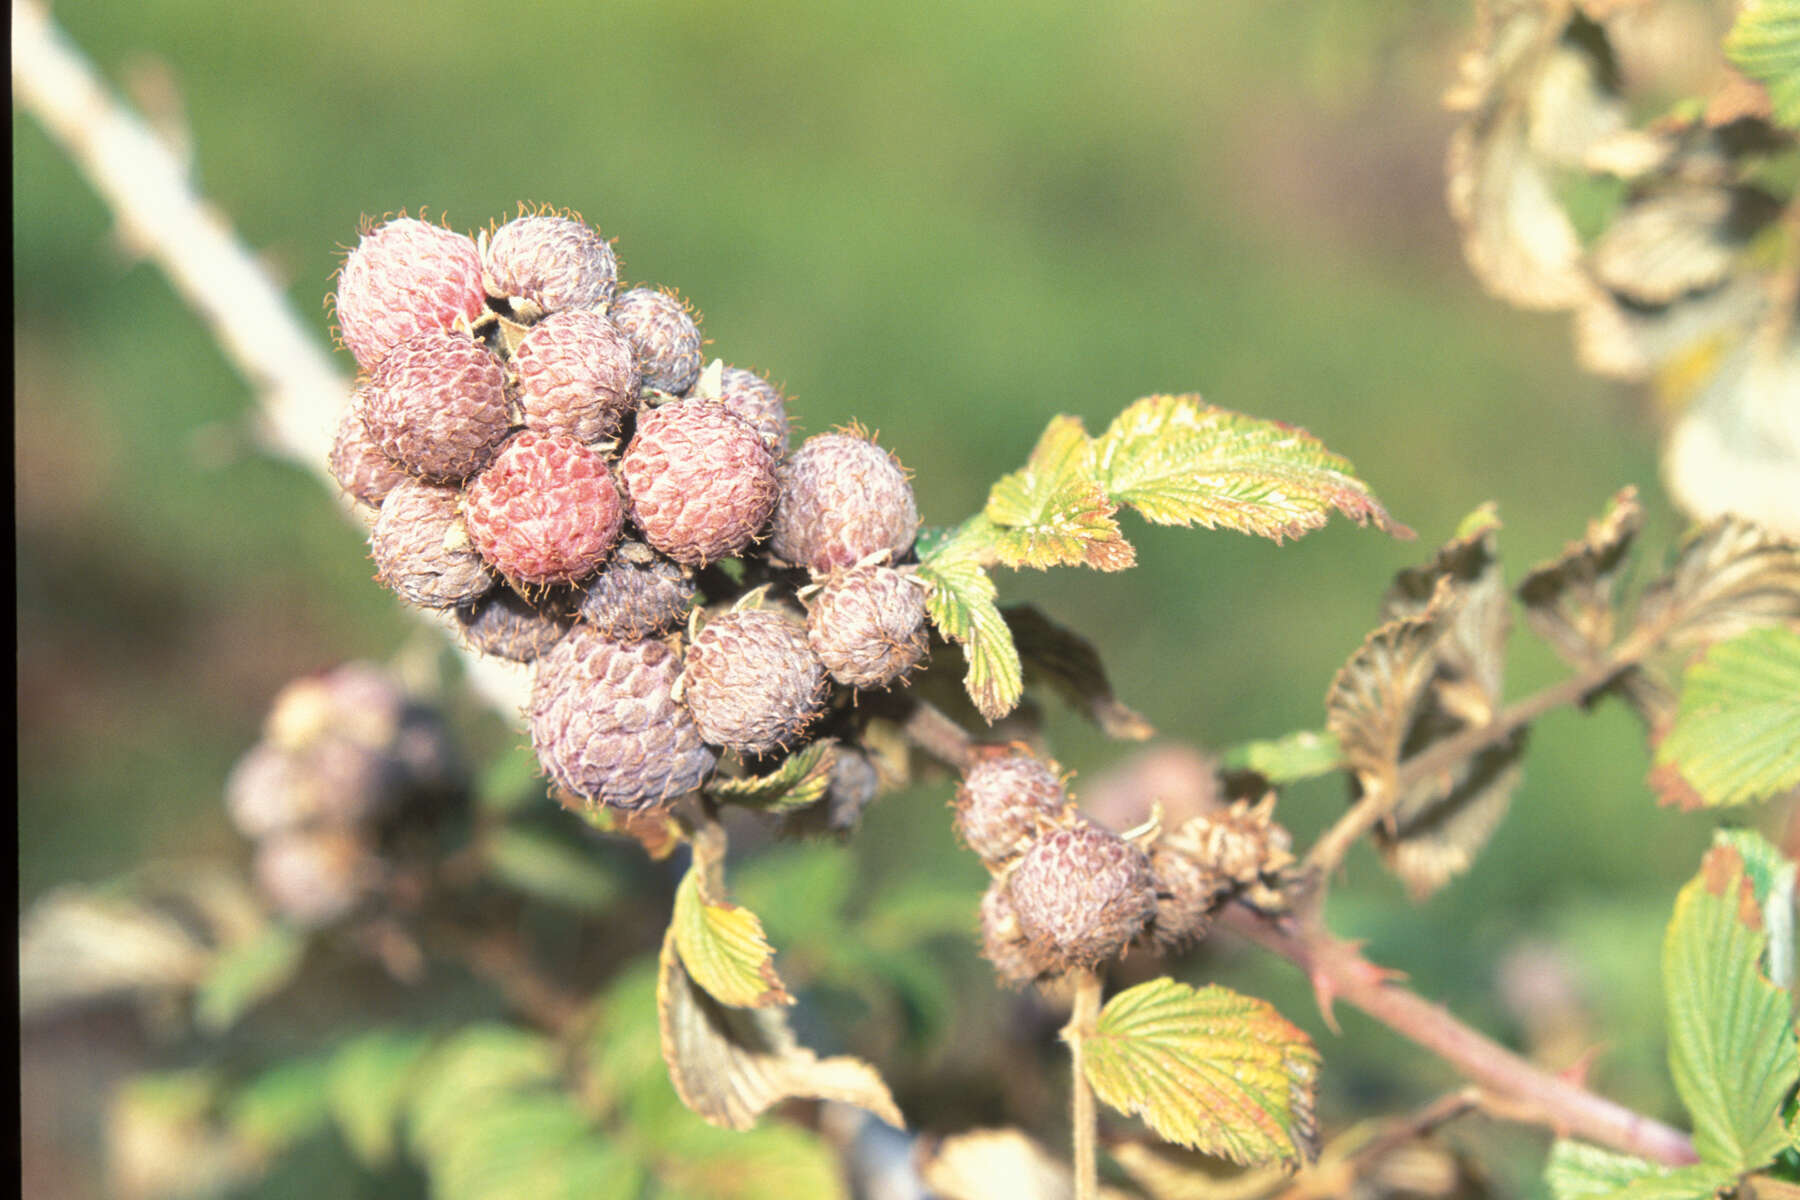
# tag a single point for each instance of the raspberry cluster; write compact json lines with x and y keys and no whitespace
{"x":550,"y":455}
{"x":1068,"y":894}
{"x":345,"y":764}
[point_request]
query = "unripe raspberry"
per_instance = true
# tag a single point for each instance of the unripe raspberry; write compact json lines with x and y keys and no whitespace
{"x":701,"y":481}
{"x":316,"y":876}
{"x":546,"y":510}
{"x":843,"y":498}
{"x":357,"y":463}
{"x":638,"y":594}
{"x":506,"y":625}
{"x":1081,"y":894}
{"x":752,"y":682}
{"x":422,"y":547}
{"x":1003,"y":943}
{"x":405,"y":278}
{"x":867,"y":625}
{"x":666,"y":337}
{"x":748,"y":395}
{"x":1186,"y":894}
{"x":554,"y":262}
{"x":436,"y":405}
{"x":1006,"y":803}
{"x":576,"y":374}
{"x":606,"y":725}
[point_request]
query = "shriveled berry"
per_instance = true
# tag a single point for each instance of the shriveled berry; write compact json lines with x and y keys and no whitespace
{"x":546,"y":510}
{"x":507,"y":625}
{"x":752,"y":682}
{"x":333,"y":782}
{"x":867,"y":625}
{"x":701,"y":481}
{"x":436,"y":405}
{"x":637,"y":594}
{"x":1081,"y":894}
{"x":606,"y":725}
{"x":666,"y":337}
{"x":316,"y":876}
{"x":554,"y":262}
{"x":748,"y":395}
{"x":1186,"y":894}
{"x":1243,"y":846}
{"x":1003,"y":943}
{"x":576,"y":373}
{"x":358,"y":464}
{"x":1005,"y":803}
{"x":404,"y":278}
{"x":422,"y":547}
{"x":843,"y":498}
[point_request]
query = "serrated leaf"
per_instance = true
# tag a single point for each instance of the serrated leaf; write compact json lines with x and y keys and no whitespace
{"x":724,"y":948}
{"x":1370,"y":704}
{"x":802,"y":779}
{"x":1772,"y":879}
{"x":1731,"y":1035}
{"x":283,"y":1105}
{"x":367,"y":1087}
{"x":1180,"y":461}
{"x":543,"y":865}
{"x":470,"y":1070}
{"x":1736,"y":735}
{"x":1729,"y":577}
{"x":1058,"y":656}
{"x":246,"y":973}
{"x":1678,"y":241}
{"x":1578,"y":1171}
{"x":1765,"y":45}
{"x":961,"y":605}
{"x":1208,"y":1069}
{"x":1304,"y":754}
{"x":1569,"y":599}
{"x":732,"y":1064}
{"x":1053,"y":512}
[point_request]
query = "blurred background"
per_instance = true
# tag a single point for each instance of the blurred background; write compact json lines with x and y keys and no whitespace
{"x":948,"y":221}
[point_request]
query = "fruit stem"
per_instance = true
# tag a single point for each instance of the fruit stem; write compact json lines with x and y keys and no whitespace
{"x":1083,"y":1117}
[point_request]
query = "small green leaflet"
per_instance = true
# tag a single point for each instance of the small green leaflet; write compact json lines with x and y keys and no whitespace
{"x":961,"y":605}
{"x":1731,"y":1035}
{"x":1578,"y":1171}
{"x":1054,"y":513}
{"x":1208,"y":1069}
{"x":1305,"y":754}
{"x":724,"y":950}
{"x":1736,"y":736}
{"x":1765,"y":45}
{"x":800,"y":780}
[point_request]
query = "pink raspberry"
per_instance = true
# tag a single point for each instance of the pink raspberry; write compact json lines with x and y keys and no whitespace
{"x":666,"y":337}
{"x":436,"y":405}
{"x":576,"y":374}
{"x":358,"y":464}
{"x":748,"y":395}
{"x":546,"y":510}
{"x":751,"y":681}
{"x":552,"y":261}
{"x":1081,"y":894}
{"x":422,"y":549}
{"x":1006,"y":803}
{"x":867,"y":625}
{"x":843,"y":498}
{"x":701,"y":481}
{"x":405,"y":278}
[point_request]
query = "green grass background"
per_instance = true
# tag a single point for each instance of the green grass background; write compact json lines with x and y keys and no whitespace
{"x":949,"y":221}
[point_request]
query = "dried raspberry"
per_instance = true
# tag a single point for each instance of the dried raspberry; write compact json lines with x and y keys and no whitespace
{"x":843,"y":498}
{"x":436,"y":405}
{"x":606,"y":726}
{"x":748,"y":395}
{"x":553,"y":262}
{"x":422,"y":549}
{"x":1243,"y":847}
{"x":867,"y":625}
{"x":405,"y":278}
{"x":666,"y":337}
{"x":1005,"y":803}
{"x":752,"y":682}
{"x":576,"y":374}
{"x":358,"y":464}
{"x":506,"y":625}
{"x":853,"y":785}
{"x":316,"y":876}
{"x":701,"y":481}
{"x":546,"y":510}
{"x":1186,"y":894}
{"x":638,"y":594}
{"x":1003,"y":943}
{"x":1081,"y":894}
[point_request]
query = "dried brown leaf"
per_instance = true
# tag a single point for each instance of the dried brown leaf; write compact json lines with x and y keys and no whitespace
{"x":1371,"y":703}
{"x":984,"y":1163}
{"x":1737,"y":446}
{"x":1679,"y":241}
{"x":1056,"y":655}
{"x":1569,"y":600}
{"x":1729,"y":577}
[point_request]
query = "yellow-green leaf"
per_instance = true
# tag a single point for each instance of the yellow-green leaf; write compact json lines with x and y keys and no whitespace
{"x":1736,"y":736}
{"x":1179,"y":461}
{"x":1765,"y":45}
{"x":1731,"y":1034}
{"x":724,"y":948}
{"x":961,"y":605}
{"x":469,"y":1071}
{"x":800,"y":780}
{"x":1209,"y":1069}
{"x":1053,"y":512}
{"x":1304,"y":754}
{"x":368,"y":1085}
{"x":1578,"y":1171}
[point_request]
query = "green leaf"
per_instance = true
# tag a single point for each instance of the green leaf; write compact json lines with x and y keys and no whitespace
{"x":724,"y":948}
{"x":1765,"y":45}
{"x":1179,"y":461}
{"x":1731,"y":1037}
{"x":543,"y":865}
{"x":513,"y":780}
{"x":1305,"y":754}
{"x":1208,"y":1069}
{"x":246,"y":973}
{"x":961,"y":605}
{"x":1578,"y":1171}
{"x":1053,"y":512}
{"x":1772,"y":879}
{"x":1736,"y":735}
{"x":283,"y":1105}
{"x":1055,"y":655}
{"x":800,"y":780}
{"x":367,"y":1087}
{"x":477,"y":1066}
{"x":517,"y":1144}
